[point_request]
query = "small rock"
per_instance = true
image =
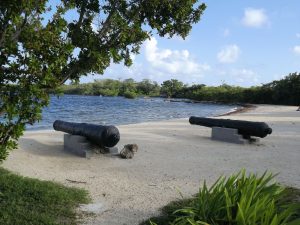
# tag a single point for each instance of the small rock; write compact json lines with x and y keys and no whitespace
{"x":128,"y":151}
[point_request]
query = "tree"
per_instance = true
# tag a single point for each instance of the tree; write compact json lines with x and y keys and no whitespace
{"x":38,"y":54}
{"x":286,"y":90}
{"x":127,"y":85}
{"x":171,"y":87}
{"x":148,"y":87}
{"x":106,"y":87}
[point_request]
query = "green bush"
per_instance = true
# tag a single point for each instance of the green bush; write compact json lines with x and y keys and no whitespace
{"x":108,"y":92}
{"x":239,"y":200}
{"x":129,"y":94}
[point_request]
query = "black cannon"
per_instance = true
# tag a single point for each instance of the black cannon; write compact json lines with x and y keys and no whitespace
{"x":103,"y":136}
{"x":245,"y":128}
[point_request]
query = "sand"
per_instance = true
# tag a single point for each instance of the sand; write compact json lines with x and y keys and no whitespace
{"x":174,"y":158}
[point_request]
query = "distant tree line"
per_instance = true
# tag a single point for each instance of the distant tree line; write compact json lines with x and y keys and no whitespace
{"x":285,"y":91}
{"x":108,"y":87}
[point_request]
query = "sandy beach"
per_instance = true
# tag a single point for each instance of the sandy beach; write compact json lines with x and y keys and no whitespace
{"x":173,"y":157}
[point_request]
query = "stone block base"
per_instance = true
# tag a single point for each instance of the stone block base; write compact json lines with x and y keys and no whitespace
{"x":80,"y":146}
{"x":227,"y":135}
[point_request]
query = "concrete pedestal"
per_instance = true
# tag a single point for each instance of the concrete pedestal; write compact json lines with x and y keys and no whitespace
{"x":80,"y":146}
{"x":227,"y":135}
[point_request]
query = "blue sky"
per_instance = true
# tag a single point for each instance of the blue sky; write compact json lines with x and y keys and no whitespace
{"x":236,"y":42}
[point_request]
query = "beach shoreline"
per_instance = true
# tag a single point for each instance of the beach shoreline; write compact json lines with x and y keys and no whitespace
{"x":173,"y":155}
{"x":243,"y":108}
{"x":119,"y":111}
{"x":239,"y":109}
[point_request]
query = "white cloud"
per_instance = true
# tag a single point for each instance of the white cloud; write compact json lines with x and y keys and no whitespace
{"x":298,"y":35}
{"x":255,"y":18}
{"x":159,"y":65}
{"x":244,"y":76}
{"x":172,"y":61}
{"x":229,"y":54}
{"x":296,"y":49}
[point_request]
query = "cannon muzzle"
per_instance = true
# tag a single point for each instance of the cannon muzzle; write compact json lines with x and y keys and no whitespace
{"x":104,"y":136}
{"x":245,"y":128}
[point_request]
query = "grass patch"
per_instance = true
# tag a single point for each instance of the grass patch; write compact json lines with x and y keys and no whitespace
{"x":236,"y":200}
{"x":31,"y":201}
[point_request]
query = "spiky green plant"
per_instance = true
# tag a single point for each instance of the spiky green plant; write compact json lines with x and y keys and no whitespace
{"x":239,"y":200}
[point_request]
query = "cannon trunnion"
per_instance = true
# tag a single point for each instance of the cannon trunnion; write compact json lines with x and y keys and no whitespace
{"x":103,"y":136}
{"x":245,"y":128}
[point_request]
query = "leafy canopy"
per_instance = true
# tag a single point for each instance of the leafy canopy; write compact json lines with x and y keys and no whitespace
{"x":171,"y":87}
{"x":38,"y":54}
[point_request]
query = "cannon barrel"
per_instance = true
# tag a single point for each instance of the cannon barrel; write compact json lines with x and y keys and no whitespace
{"x":104,"y":136}
{"x":245,"y":128}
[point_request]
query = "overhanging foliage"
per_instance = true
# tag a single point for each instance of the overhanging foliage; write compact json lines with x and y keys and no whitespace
{"x":37,"y":55}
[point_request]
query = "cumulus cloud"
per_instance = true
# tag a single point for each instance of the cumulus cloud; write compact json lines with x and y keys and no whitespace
{"x":245,"y":76}
{"x":229,"y":54}
{"x":172,"y":61}
{"x":159,"y":65}
{"x":240,"y":76}
{"x":255,"y":18}
{"x":296,"y":49}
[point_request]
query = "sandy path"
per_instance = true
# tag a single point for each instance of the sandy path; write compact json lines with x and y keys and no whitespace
{"x":172,"y":156}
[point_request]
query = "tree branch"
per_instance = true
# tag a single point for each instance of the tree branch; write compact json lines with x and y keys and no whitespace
{"x":107,"y":22}
{"x":4,"y":26}
{"x":82,"y":12}
{"x":19,"y":30}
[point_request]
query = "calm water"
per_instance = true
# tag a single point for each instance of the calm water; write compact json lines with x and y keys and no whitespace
{"x":119,"y":110}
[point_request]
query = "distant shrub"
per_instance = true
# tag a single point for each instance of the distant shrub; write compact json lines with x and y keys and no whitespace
{"x":108,"y":92}
{"x":129,"y":94}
